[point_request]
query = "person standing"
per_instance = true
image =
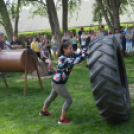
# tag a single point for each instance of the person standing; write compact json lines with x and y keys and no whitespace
{"x":123,"y":40}
{"x":46,"y":40}
{"x":41,"y":40}
{"x":129,"y":36}
{"x":65,"y":37}
{"x":74,"y":42}
{"x":79,"y":35}
{"x":38,"y":37}
{"x":118,"y":38}
{"x":15,"y":44}
{"x":28,"y":42}
{"x":83,"y":39}
{"x":133,"y":38}
{"x":99,"y":34}
{"x":104,"y":32}
{"x":89,"y":33}
{"x":126,"y":28}
{"x":35,"y":47}
{"x":67,"y":60}
{"x":71,"y":34}
{"x":95,"y":32}
{"x":54,"y":47}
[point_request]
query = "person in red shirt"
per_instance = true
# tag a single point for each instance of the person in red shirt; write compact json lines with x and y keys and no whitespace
{"x":95,"y":32}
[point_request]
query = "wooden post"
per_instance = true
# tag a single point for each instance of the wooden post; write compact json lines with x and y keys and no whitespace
{"x":25,"y":86}
{"x":4,"y":79}
{"x":38,"y":75}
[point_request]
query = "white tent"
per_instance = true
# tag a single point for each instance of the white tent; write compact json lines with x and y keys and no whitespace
{"x":84,"y":18}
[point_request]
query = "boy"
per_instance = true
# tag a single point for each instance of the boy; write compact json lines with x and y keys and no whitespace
{"x":83,"y":39}
{"x":118,"y":37}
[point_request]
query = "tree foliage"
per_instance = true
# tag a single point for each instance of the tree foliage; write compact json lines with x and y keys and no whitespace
{"x":98,"y":15}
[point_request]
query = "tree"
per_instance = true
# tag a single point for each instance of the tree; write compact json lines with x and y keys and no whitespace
{"x":9,"y":11}
{"x":110,"y":10}
{"x":17,"y":18}
{"x":65,"y":15}
{"x":49,"y":8}
{"x":52,"y":12}
{"x":5,"y":20}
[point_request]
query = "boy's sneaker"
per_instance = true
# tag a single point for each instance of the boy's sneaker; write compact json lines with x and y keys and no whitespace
{"x":46,"y":113}
{"x":64,"y":121}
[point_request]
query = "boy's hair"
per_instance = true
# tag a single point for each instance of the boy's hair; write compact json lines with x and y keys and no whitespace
{"x":128,"y":28}
{"x":115,"y":29}
{"x":102,"y":26}
{"x":65,"y":44}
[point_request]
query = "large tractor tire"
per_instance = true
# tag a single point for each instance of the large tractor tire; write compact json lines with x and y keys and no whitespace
{"x":108,"y":79}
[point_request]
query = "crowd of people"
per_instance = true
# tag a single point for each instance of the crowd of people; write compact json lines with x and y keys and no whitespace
{"x":44,"y":46}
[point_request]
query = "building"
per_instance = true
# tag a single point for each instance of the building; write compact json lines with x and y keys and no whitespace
{"x":81,"y":17}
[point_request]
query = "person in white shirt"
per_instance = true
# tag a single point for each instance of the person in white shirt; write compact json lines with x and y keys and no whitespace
{"x":83,"y":39}
{"x":65,"y":37}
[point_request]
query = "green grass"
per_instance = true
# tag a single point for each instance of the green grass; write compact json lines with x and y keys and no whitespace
{"x":19,"y":114}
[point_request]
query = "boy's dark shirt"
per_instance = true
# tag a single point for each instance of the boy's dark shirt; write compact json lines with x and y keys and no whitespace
{"x":15,"y":43}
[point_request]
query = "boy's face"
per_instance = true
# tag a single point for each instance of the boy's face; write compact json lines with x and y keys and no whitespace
{"x":14,"y":38}
{"x":83,"y":33}
{"x":129,"y":30}
{"x":65,"y":34}
{"x":34,"y":39}
{"x":116,"y":31}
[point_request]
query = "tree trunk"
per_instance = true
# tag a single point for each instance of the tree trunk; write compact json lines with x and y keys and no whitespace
{"x":64,"y":15}
{"x":17,"y":19}
{"x":51,"y":22}
{"x":105,"y":15}
{"x":54,"y":21}
{"x":6,"y":20}
{"x":116,"y":17}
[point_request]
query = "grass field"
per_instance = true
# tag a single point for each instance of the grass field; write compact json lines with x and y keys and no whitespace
{"x":20,"y":115}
